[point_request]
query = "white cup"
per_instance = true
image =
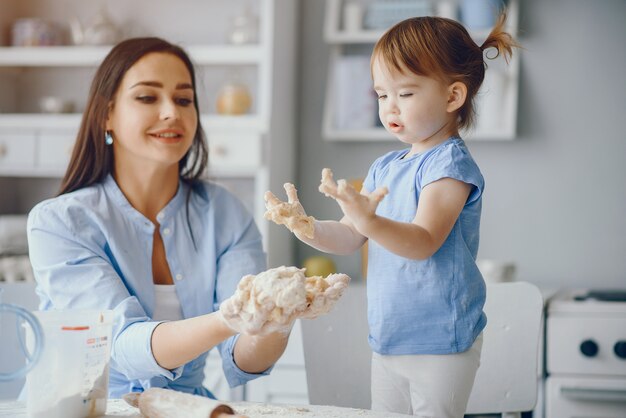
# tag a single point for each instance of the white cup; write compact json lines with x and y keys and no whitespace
{"x":496,"y":271}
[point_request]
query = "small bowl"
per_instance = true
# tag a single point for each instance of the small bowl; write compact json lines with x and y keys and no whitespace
{"x":52,"y":104}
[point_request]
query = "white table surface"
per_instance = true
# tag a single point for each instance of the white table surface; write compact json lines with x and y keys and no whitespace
{"x":119,"y":408}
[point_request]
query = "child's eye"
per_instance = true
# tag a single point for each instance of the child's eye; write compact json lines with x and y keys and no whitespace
{"x":147,"y":99}
{"x":406,"y":95}
{"x":382,"y":96}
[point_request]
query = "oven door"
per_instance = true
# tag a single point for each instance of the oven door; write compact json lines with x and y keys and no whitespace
{"x":585,"y":397}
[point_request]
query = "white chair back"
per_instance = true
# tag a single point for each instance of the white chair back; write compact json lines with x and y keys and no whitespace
{"x":507,"y":378}
{"x":337,"y":355}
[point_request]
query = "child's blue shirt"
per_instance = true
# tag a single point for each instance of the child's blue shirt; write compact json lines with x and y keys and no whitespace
{"x":431,"y":306}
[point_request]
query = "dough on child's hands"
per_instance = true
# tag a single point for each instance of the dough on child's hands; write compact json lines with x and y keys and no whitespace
{"x":290,"y":213}
{"x":327,"y":184}
{"x":272,"y":300}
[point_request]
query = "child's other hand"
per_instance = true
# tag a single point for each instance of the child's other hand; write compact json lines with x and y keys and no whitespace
{"x":360,"y":208}
{"x":290,"y":213}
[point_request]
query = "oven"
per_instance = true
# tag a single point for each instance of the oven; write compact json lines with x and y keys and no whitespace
{"x":586,"y":355}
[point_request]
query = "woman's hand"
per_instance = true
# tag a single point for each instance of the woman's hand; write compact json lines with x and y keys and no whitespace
{"x":290,"y":213}
{"x":271,"y":301}
{"x":360,"y":208}
{"x":323,"y":293}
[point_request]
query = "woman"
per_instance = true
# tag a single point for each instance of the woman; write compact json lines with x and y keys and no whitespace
{"x":134,"y":229}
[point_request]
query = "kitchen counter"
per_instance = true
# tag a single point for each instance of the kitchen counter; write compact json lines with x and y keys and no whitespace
{"x":119,"y":408}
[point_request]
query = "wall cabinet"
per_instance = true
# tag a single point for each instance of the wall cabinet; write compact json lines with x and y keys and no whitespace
{"x":350,"y":112}
{"x":250,"y":153}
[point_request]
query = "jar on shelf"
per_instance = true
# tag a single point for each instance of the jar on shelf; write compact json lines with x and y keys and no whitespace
{"x":100,"y":31}
{"x":35,"y":32}
{"x":244,"y":28}
{"x":233,"y":98}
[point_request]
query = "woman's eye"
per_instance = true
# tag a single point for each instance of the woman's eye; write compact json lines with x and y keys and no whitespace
{"x":406,"y":95}
{"x":382,"y":96}
{"x":147,"y":99}
{"x":183,"y":101}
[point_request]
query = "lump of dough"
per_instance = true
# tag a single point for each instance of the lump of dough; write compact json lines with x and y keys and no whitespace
{"x":271,"y":300}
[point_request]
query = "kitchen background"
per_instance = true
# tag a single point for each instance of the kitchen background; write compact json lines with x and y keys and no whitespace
{"x":555,"y":197}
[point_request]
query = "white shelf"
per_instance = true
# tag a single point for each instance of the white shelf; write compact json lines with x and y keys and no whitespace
{"x":497,"y":122}
{"x":71,"y":121}
{"x":86,"y":56}
{"x":333,"y":36}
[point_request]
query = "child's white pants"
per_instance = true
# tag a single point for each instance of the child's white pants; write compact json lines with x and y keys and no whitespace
{"x":425,"y":385}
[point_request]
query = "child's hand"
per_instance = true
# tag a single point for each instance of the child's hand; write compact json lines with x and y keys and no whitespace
{"x":290,"y":213}
{"x":360,"y":208}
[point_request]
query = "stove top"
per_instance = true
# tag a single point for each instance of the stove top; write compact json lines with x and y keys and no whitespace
{"x":611,"y":301}
{"x":603,"y":295}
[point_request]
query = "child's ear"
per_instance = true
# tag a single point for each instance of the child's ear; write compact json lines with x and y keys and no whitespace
{"x":457,"y":93}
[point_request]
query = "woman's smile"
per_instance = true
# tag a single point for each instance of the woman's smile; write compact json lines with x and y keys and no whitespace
{"x":168,"y":136}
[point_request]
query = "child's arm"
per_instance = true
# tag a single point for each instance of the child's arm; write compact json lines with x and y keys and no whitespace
{"x":336,"y":237}
{"x":439,"y":207}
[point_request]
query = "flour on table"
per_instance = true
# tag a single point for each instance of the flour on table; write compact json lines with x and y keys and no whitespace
{"x":253,"y":410}
{"x":271,"y":300}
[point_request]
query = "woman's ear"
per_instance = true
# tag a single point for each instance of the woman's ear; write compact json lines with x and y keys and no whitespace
{"x":108,"y":116}
{"x":457,"y":93}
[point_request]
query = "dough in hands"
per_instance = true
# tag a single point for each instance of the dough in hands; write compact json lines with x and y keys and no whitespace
{"x":290,"y":213}
{"x":273,"y":299}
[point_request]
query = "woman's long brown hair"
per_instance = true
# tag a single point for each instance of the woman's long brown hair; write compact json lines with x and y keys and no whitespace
{"x":92,"y":159}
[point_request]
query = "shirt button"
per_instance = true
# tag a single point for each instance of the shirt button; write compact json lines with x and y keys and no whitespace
{"x":160,"y":216}
{"x":166,"y":231}
{"x":179,"y":277}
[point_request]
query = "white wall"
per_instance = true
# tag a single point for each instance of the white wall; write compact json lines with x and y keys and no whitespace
{"x":555,"y":200}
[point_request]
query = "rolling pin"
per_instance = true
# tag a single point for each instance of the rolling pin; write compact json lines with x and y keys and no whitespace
{"x":165,"y":403}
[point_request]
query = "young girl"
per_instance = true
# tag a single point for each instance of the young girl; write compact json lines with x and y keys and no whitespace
{"x":420,"y":210}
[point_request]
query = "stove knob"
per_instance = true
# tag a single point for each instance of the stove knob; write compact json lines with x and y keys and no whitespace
{"x":589,"y":348}
{"x":620,"y":349}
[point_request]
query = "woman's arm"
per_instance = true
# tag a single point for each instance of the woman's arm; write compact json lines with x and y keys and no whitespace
{"x":176,"y":343}
{"x":255,"y":354}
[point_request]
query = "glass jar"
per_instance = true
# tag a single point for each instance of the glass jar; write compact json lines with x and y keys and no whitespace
{"x":233,"y":99}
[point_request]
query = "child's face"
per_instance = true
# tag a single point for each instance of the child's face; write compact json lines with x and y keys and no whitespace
{"x":413,"y":108}
{"x":153,"y":117}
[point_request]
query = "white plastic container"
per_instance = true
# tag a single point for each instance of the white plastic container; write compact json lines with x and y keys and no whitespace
{"x":71,"y":379}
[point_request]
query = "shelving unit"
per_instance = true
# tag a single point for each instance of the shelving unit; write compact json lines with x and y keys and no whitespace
{"x":249,"y":154}
{"x":241,"y":147}
{"x":496,"y":101}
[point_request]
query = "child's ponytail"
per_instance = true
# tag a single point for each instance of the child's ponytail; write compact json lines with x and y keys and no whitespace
{"x":502,"y":41}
